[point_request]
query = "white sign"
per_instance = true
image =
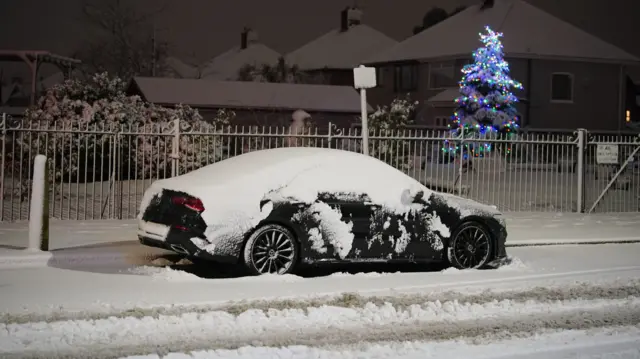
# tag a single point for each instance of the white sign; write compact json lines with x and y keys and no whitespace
{"x":364,"y":77}
{"x":607,"y":154}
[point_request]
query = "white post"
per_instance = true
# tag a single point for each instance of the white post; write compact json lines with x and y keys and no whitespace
{"x":37,"y":210}
{"x":364,"y":78}
{"x":580,"y":170}
{"x":365,"y":123}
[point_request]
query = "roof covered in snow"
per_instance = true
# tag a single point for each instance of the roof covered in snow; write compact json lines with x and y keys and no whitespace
{"x":528,"y":33}
{"x":255,"y":95}
{"x":340,"y":49}
{"x":226,"y":65}
{"x":181,"y":69}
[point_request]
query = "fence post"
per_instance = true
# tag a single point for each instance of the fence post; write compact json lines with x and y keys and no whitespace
{"x":39,"y":211}
{"x":329,"y":136}
{"x":175,"y":147}
{"x":3,"y":163}
{"x":582,"y":135}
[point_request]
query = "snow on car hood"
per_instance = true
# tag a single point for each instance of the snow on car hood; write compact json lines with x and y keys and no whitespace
{"x":468,"y":207}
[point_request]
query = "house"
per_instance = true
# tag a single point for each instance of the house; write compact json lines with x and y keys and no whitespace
{"x":571,"y":79}
{"x":333,"y":55}
{"x":255,"y":103}
{"x":226,"y":66}
{"x":632,"y":111}
{"x":17,"y":95}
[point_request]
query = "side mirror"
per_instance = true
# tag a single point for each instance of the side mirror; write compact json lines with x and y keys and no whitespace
{"x":408,"y":197}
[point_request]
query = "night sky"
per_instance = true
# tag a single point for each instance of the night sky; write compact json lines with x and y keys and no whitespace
{"x":201,"y":29}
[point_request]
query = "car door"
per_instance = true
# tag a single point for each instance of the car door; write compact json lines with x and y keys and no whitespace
{"x":355,"y":208}
{"x":429,"y":233}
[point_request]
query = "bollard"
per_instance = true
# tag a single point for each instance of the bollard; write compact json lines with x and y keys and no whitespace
{"x":39,"y":211}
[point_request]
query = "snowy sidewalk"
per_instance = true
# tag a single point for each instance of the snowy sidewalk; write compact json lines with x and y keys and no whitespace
{"x":109,"y":241}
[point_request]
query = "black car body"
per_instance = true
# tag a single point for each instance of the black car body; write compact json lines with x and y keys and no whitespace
{"x":274,"y":209}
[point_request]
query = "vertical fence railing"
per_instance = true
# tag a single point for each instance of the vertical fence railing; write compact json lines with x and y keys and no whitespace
{"x":100,"y":172}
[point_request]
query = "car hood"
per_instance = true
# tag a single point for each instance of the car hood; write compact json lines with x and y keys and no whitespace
{"x":468,"y":206}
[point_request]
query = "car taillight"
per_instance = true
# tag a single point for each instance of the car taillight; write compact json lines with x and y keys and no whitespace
{"x":194,"y":204}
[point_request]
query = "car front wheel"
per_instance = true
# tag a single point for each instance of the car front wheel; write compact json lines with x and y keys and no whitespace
{"x":271,"y":249}
{"x":470,"y":246}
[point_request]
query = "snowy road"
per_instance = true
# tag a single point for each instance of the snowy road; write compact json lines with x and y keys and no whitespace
{"x":523,"y":308}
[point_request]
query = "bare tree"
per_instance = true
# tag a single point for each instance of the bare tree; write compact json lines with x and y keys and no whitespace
{"x":280,"y":72}
{"x":125,"y":42}
{"x":434,"y":16}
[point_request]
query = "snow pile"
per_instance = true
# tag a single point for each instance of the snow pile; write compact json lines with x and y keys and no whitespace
{"x":267,"y":277}
{"x":360,"y":274}
{"x":513,"y":265}
{"x":254,"y":324}
{"x":618,"y":342}
{"x":166,"y":274}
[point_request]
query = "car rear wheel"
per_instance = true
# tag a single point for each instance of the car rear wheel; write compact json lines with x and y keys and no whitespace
{"x":470,"y":246}
{"x":271,"y":249}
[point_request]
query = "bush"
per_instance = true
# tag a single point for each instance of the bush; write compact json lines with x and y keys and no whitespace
{"x":91,"y":130}
{"x":387,"y":121}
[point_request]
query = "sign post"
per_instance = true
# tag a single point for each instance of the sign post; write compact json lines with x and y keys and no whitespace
{"x":364,"y":78}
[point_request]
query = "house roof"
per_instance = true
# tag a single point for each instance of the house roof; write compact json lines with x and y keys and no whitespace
{"x":340,"y":49}
{"x":226,"y":65}
{"x":528,"y":33}
{"x":255,"y":95}
{"x":180,"y":68}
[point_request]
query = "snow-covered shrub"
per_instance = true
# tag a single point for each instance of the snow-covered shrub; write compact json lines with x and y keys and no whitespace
{"x":91,"y":130}
{"x":385,"y":125}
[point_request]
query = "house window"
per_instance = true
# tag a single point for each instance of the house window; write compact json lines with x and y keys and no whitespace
{"x":442,"y":75}
{"x":379,"y":76}
{"x":561,"y":87}
{"x":441,"y":121}
{"x":628,"y":116}
{"x":406,"y":78}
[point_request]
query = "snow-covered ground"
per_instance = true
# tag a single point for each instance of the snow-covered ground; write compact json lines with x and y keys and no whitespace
{"x":569,"y":301}
{"x":563,"y":301}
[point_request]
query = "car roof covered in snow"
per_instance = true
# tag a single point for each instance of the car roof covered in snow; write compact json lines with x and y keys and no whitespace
{"x":285,"y":158}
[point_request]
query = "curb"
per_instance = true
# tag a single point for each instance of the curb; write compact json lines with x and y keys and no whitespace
{"x":28,"y":259}
{"x":21,"y":259}
{"x":577,"y":241}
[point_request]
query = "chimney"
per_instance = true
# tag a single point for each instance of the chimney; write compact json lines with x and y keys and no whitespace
{"x":247,"y":37}
{"x":350,"y":16}
{"x":487,"y":4}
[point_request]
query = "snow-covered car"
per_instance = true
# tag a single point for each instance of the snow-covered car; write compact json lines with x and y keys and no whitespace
{"x":274,"y":209}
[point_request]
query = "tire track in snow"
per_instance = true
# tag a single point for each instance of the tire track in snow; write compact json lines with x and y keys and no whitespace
{"x":324,"y":326}
{"x":586,"y":291}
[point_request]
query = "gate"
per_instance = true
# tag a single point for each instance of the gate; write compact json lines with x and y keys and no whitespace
{"x":612,"y":173}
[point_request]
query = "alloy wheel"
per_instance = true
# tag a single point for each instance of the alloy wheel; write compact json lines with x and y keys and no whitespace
{"x":471,"y":247}
{"x":273,"y":252}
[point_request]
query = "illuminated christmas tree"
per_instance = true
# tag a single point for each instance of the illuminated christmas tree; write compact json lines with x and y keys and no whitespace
{"x":486,"y":106}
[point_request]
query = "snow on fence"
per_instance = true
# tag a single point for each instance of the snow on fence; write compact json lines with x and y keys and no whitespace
{"x":101,"y":173}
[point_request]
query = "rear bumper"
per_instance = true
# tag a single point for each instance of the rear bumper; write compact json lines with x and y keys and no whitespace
{"x":178,"y":241}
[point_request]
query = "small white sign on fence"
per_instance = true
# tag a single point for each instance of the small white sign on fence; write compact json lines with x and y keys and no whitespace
{"x":607,"y":155}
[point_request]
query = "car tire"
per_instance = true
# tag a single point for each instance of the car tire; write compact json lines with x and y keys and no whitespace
{"x":457,"y":247}
{"x":272,"y":249}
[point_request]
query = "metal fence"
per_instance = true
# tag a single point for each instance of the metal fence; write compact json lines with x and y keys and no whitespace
{"x":100,"y":172}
